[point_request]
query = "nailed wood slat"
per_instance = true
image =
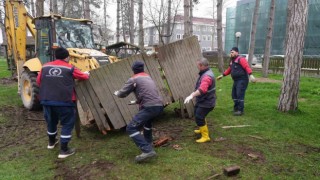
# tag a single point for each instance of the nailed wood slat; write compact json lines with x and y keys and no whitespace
{"x":152,"y":65}
{"x":108,"y":103}
{"x":100,"y":90}
{"x":113,"y":107}
{"x":83,"y":86}
{"x":166,"y":55}
{"x":97,"y":106}
{"x":132,"y":109}
{"x":83,"y":109}
{"x":186,"y":66}
{"x":117,"y":81}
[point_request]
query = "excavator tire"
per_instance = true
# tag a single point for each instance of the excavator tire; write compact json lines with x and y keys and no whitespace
{"x":29,"y":91}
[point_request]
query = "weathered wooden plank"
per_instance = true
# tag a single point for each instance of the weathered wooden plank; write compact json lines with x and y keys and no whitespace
{"x":132,"y":109}
{"x":118,"y":80}
{"x":166,"y":57}
{"x":100,"y":88}
{"x":85,"y":86}
{"x":152,"y":65}
{"x":85,"y":114}
{"x":188,"y":65}
{"x":108,"y":102}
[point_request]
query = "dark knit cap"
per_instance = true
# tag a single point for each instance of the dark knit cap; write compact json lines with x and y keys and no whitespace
{"x":138,"y":67}
{"x":235,"y":49}
{"x":61,"y":53}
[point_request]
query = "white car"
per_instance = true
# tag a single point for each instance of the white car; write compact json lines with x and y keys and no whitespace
{"x":254,"y":59}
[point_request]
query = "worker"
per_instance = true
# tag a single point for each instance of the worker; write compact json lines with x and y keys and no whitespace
{"x":205,"y":93}
{"x":57,"y":95}
{"x":239,"y":70}
{"x":150,"y":106}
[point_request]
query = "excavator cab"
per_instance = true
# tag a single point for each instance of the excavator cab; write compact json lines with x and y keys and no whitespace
{"x":55,"y":31}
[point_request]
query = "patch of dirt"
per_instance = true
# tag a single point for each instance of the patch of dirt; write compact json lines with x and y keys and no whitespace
{"x":232,"y":150}
{"x":7,"y":81}
{"x":302,"y":149}
{"x":267,"y":80}
{"x":279,"y":169}
{"x":95,"y":170}
{"x":18,"y":130}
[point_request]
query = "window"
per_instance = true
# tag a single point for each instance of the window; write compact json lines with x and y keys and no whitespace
{"x":198,"y":28}
{"x":194,"y":27}
{"x":204,"y":37}
{"x":209,"y":37}
{"x":198,"y":37}
{"x":178,"y":36}
{"x":204,"y":28}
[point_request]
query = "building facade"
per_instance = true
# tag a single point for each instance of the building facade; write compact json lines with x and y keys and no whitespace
{"x":203,"y":28}
{"x":239,"y":19}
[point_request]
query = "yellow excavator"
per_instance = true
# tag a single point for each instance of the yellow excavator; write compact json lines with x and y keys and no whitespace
{"x":49,"y":32}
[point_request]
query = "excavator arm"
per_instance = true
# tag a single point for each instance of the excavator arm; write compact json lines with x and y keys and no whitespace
{"x":17,"y":20}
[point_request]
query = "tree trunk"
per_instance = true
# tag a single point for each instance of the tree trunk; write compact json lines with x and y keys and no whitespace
{"x":124,"y":20}
{"x":64,"y":5}
{"x":86,"y":7}
{"x":219,"y":33}
{"x":39,"y":8}
{"x":214,"y":23}
{"x":104,"y":35}
{"x":131,"y":21}
{"x":51,"y":6}
{"x":191,"y":17}
{"x":296,"y":29}
{"x":55,"y":6}
{"x":32,"y":8}
{"x":253,"y":32}
{"x":186,"y":7}
{"x":141,"y":31}
{"x":168,"y":22}
{"x":266,"y":56}
{"x":118,"y":21}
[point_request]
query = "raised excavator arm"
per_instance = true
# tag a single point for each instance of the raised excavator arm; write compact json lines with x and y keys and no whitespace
{"x":17,"y":20}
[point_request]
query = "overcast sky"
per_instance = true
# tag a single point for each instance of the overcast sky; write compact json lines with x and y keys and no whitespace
{"x":203,"y":9}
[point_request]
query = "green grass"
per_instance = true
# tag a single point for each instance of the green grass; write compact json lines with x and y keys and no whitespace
{"x":287,"y":144}
{"x":8,"y":88}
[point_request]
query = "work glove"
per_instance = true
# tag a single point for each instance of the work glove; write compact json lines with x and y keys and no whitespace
{"x":188,"y":99}
{"x":87,"y":73}
{"x":116,"y":93}
{"x":219,"y":77}
{"x":132,"y":102}
{"x":252,"y":79}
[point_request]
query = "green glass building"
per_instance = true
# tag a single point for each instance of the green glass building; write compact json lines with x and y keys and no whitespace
{"x":239,"y":19}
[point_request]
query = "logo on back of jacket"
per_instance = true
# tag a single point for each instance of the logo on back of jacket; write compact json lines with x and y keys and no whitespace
{"x":55,"y":72}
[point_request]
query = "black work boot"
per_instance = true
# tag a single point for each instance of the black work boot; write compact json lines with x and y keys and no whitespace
{"x":65,"y":151}
{"x":145,"y":156}
{"x":52,"y":142}
{"x":238,"y":113}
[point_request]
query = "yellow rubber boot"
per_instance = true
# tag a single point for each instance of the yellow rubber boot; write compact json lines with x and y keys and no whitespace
{"x":197,"y":131}
{"x":204,"y":134}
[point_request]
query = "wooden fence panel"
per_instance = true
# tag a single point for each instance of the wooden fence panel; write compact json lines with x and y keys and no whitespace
{"x":178,"y":61}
